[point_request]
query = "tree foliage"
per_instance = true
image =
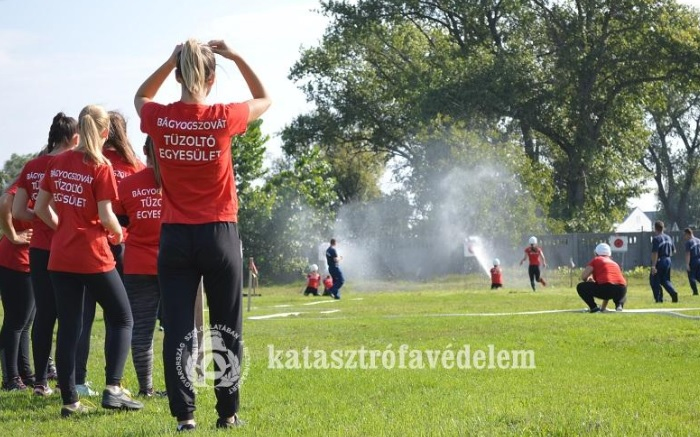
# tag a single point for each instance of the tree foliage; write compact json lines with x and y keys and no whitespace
{"x":569,"y":76}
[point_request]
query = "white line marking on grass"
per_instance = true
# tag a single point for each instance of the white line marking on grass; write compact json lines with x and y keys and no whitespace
{"x":330,"y":311}
{"x":281,"y":306}
{"x":272,"y":316}
{"x":358,"y":298}
{"x":320,"y":301}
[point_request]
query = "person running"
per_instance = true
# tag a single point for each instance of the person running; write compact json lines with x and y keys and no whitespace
{"x":313,"y":279}
{"x":118,"y":150}
{"x":662,"y":248}
{"x":535,"y":257}
{"x":140,"y":202}
{"x":692,"y":258}
{"x":333,"y":260}
{"x":199,"y":232}
{"x":63,"y":136}
{"x":496,"y":275}
{"x":75,"y":199}
{"x":603,"y":279}
{"x":16,"y":295}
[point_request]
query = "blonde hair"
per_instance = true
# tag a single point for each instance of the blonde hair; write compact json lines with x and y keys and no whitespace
{"x":93,"y":120}
{"x":195,"y":65}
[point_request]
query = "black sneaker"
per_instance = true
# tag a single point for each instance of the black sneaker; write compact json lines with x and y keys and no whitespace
{"x":186,"y":427}
{"x":119,"y":401}
{"x":15,"y":384}
{"x":674,"y":298}
{"x":228,"y":423}
{"x":594,"y":310}
{"x":76,"y":410}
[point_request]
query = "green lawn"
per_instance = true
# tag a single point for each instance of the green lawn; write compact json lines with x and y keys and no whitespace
{"x":627,"y":373}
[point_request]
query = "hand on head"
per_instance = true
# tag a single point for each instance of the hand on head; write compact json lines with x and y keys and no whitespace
{"x":219,"y":47}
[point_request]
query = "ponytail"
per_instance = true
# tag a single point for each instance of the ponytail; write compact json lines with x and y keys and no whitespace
{"x":93,"y":121}
{"x":62,"y":130}
{"x":195,"y":65}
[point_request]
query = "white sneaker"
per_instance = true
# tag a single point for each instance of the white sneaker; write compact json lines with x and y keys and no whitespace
{"x":85,"y":390}
{"x":618,"y":308}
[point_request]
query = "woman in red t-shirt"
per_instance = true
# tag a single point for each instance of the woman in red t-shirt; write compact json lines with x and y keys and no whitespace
{"x":535,"y":256}
{"x":75,"y":199}
{"x":199,"y":235}
{"x":117,"y":149}
{"x":16,"y":295}
{"x":602,"y":278}
{"x":139,"y":208}
{"x":63,"y":136}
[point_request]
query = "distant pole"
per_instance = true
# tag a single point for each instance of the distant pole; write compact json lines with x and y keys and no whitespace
{"x":250,"y":283}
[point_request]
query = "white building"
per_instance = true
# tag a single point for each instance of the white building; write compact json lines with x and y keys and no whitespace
{"x":637,"y":221}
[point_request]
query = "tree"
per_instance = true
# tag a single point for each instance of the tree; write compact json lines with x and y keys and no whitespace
{"x":673,"y":154}
{"x":569,"y":75}
{"x":13,"y":167}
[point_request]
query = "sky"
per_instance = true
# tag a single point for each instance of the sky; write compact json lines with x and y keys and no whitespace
{"x":79,"y":52}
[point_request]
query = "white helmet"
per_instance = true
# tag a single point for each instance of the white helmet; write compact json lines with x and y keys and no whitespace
{"x":603,"y":249}
{"x":496,"y":262}
{"x":313,"y":267}
{"x":533,"y":240}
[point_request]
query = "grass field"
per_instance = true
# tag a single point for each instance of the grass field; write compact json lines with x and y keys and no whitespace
{"x":629,"y":373}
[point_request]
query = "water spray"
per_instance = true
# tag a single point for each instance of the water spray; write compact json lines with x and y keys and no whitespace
{"x":473,"y":248}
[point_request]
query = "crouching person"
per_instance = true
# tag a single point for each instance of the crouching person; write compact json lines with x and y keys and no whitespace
{"x":602,"y":278}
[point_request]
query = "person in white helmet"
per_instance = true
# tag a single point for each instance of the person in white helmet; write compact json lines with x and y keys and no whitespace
{"x":496,"y":275}
{"x":535,"y":257}
{"x":313,"y":279}
{"x":603,"y":279}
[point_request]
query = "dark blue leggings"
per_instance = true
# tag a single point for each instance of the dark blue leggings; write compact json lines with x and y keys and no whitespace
{"x":45,"y":319}
{"x":108,"y":290}
{"x":18,"y":308}
{"x":188,"y":253}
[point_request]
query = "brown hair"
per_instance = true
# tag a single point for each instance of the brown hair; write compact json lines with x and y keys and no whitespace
{"x":149,"y":151}
{"x":118,"y":138}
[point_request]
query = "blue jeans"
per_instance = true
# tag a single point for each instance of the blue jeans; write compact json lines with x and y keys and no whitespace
{"x":662,"y":278}
{"x":338,"y":280}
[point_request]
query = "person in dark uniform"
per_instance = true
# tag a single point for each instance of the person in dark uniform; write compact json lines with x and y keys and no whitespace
{"x":333,"y":260}
{"x":662,"y":248}
{"x":692,"y":258}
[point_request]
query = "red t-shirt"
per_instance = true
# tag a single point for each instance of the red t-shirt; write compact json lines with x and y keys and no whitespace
{"x":140,"y":200}
{"x":30,"y":180}
{"x":312,"y":280}
{"x":328,"y":282}
{"x":193,"y":148}
{"x":533,"y":255}
{"x":79,"y":244}
{"x":121,"y":167}
{"x":15,"y":256}
{"x":496,"y":276}
{"x":606,"y":271}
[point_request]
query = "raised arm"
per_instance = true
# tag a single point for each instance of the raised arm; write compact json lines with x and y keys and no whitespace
{"x":148,"y":90}
{"x":261,"y":100}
